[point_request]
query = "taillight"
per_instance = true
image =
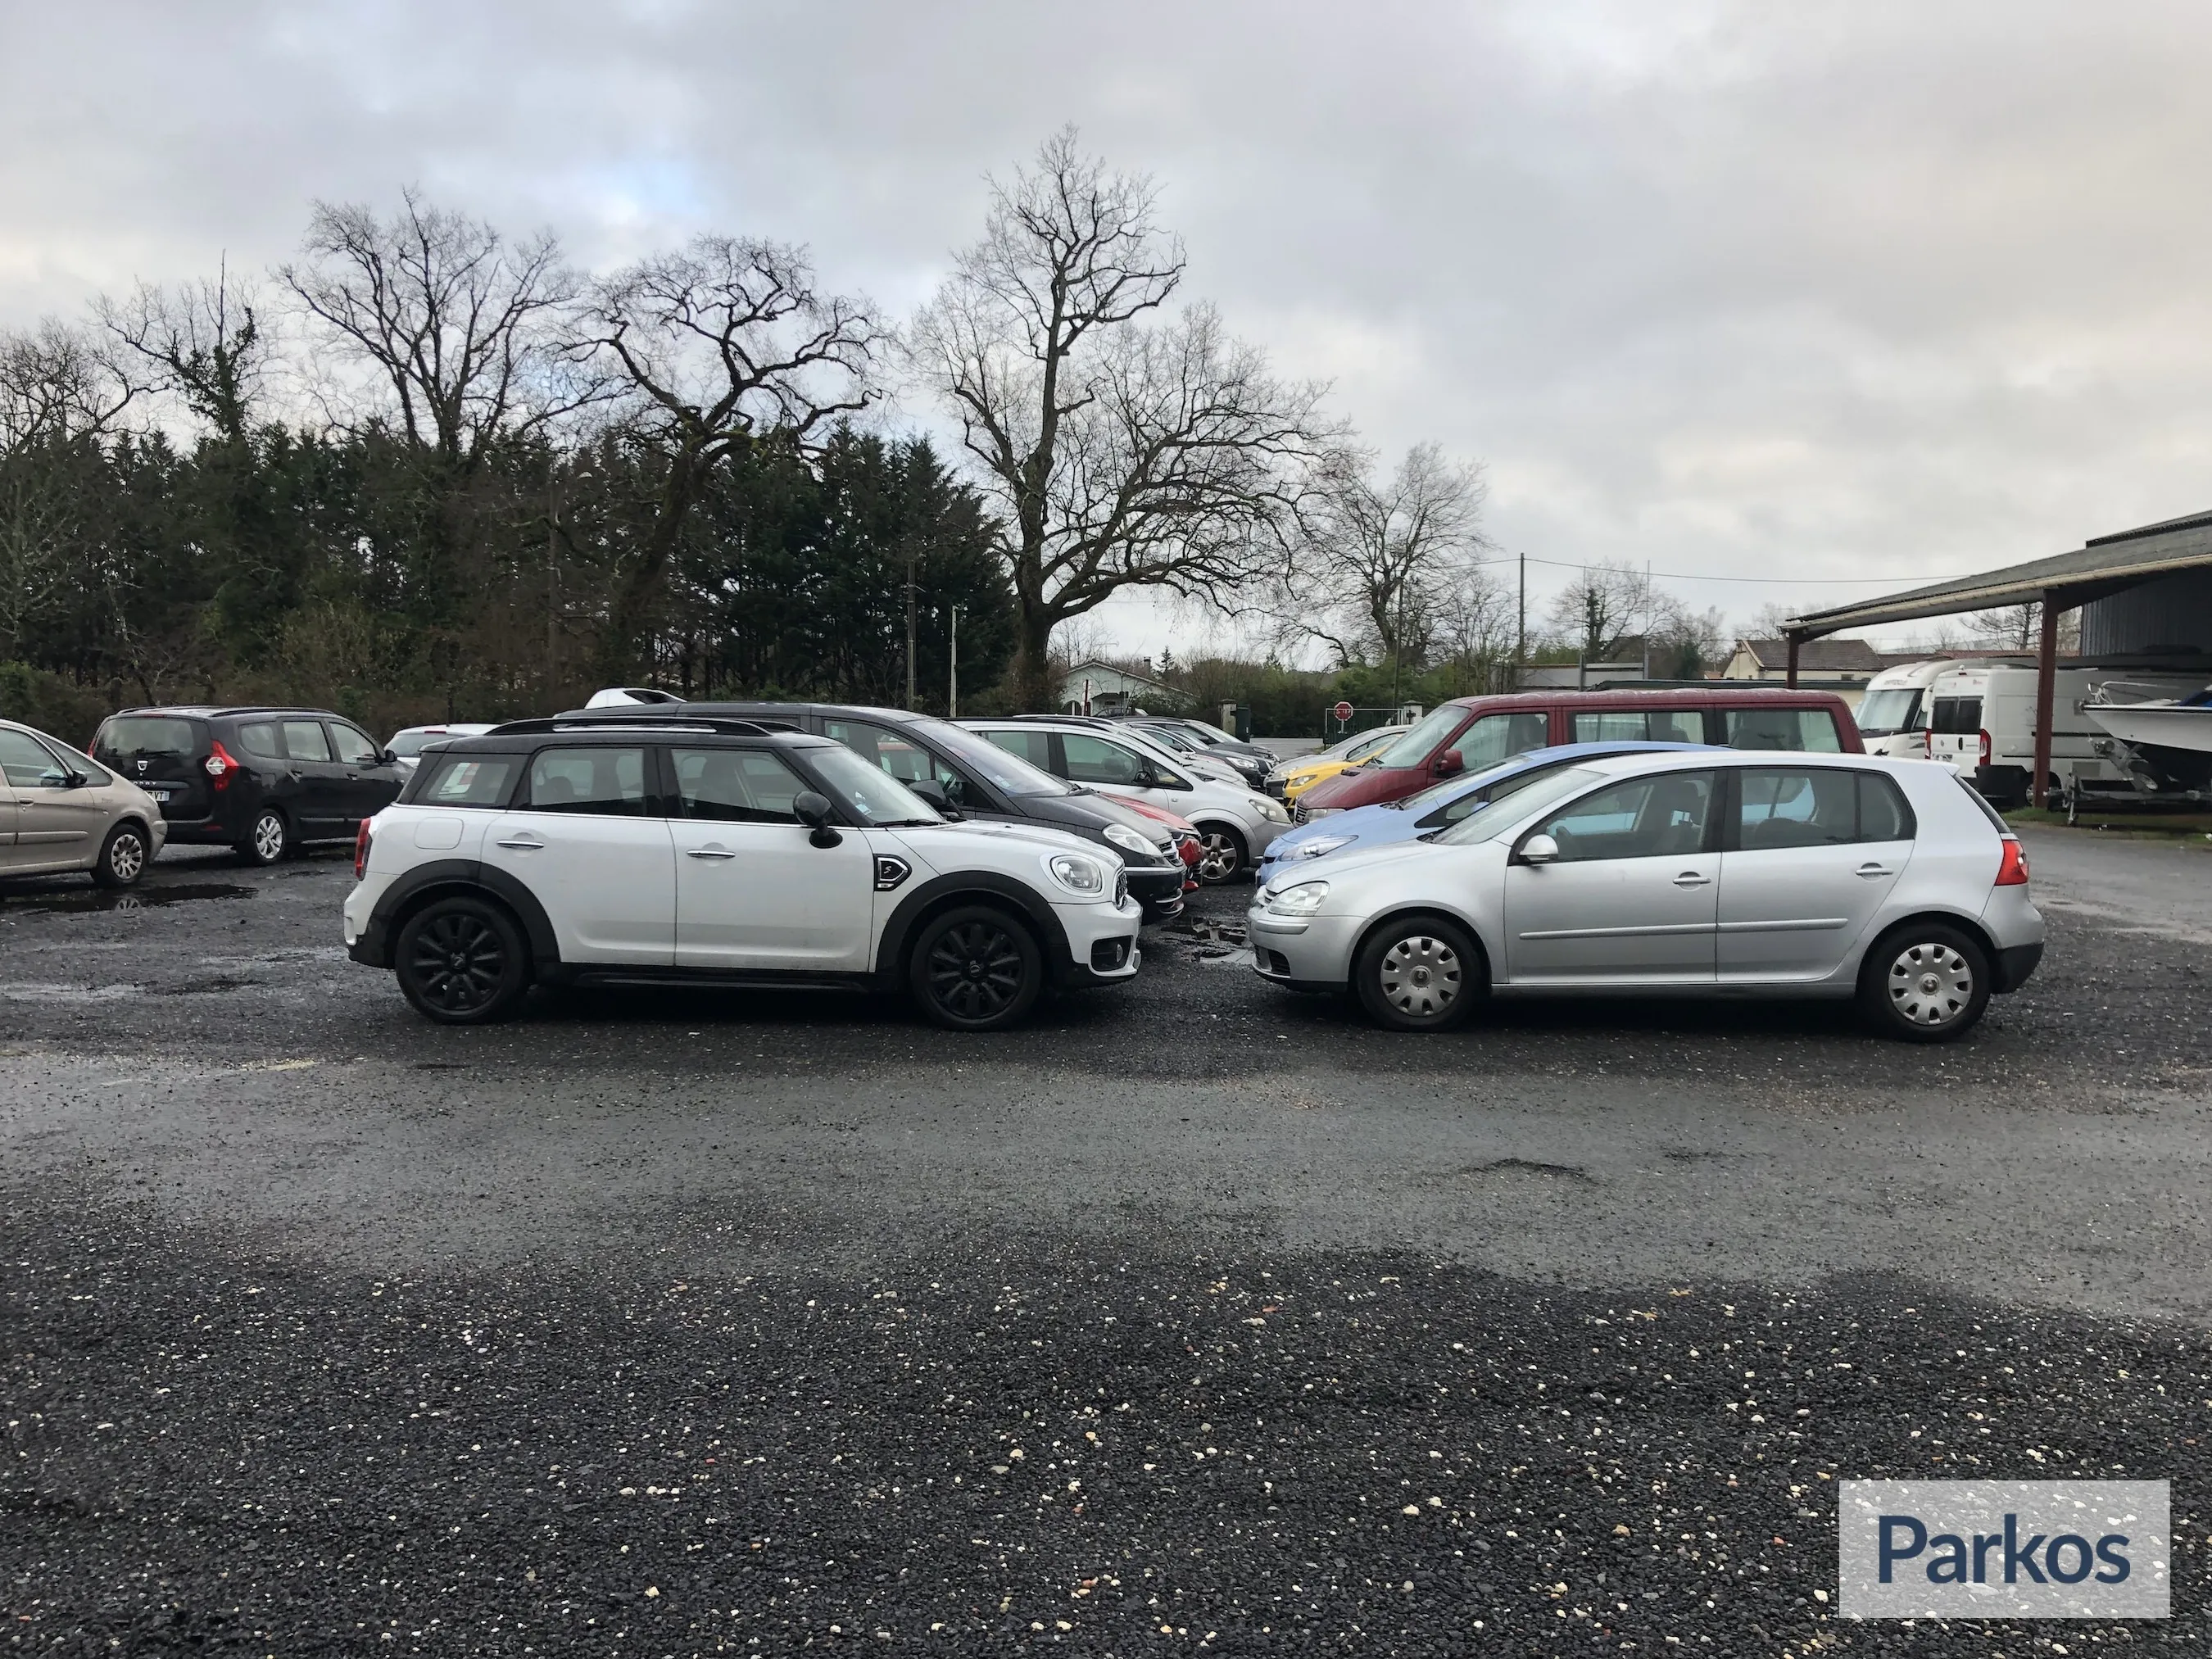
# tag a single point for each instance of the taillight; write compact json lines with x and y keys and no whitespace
{"x":361,"y":851}
{"x":220,"y":764}
{"x":1985,"y":748}
{"x":2012,"y":870}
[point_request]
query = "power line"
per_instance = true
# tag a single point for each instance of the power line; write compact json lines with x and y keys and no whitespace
{"x":1772,"y":581}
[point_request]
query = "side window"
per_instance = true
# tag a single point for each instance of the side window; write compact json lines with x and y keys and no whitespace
{"x":260,"y":740}
{"x":1645,"y":818}
{"x":1093,"y":760}
{"x":1495,"y":737}
{"x":903,"y":760}
{"x":1780,"y":808}
{"x":1804,"y":730}
{"x":608,"y":782}
{"x":304,"y":740}
{"x":1884,"y":814}
{"x":25,"y":763}
{"x":1610,"y":726}
{"x":1035,"y":747}
{"x":353,"y":745}
{"x":469,"y":780}
{"x":736,"y":786}
{"x":1679,"y":725}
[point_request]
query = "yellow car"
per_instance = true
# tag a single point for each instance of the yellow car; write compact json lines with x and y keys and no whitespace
{"x":1293,"y":778}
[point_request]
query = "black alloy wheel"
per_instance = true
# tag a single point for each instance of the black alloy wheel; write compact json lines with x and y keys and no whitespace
{"x":461,"y":961}
{"x":976,"y":969}
{"x":269,"y":842}
{"x":123,"y":857}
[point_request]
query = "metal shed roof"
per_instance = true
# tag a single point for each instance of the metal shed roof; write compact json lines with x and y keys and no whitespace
{"x":2103,"y":566}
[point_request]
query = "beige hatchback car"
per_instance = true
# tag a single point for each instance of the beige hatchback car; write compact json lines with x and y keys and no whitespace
{"x":62,"y":811}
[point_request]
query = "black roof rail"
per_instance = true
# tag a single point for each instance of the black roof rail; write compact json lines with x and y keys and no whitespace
{"x":663,"y":718}
{"x":1065,"y":720}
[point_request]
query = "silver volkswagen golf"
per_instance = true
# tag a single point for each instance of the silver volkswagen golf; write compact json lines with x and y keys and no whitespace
{"x":1697,"y":873}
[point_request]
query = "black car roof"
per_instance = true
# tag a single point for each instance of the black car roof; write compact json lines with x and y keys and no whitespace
{"x":663,"y":721}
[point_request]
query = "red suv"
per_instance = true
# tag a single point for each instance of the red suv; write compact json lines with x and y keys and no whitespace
{"x":1477,"y":732}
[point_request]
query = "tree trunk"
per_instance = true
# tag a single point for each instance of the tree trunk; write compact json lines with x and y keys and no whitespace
{"x":630,"y":614}
{"x":1032,"y":671}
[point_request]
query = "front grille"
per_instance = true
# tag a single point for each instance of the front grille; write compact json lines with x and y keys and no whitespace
{"x":1299,"y":813}
{"x":1120,"y":887}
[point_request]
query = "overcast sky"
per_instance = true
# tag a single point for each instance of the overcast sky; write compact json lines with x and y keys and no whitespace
{"x":1795,"y":293}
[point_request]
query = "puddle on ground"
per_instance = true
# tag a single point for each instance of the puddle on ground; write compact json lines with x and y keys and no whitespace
{"x":1199,"y":938}
{"x":132,"y":899}
{"x":30,"y":993}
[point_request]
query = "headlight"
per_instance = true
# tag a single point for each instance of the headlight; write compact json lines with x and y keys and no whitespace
{"x":1321,"y":845}
{"x":1076,"y":873}
{"x":1301,"y":900}
{"x":1313,"y":812}
{"x":1130,"y":841}
{"x":1270,"y":809}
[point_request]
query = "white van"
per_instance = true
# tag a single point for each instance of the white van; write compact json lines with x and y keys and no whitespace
{"x":1892,"y":714}
{"x":1980,"y":717}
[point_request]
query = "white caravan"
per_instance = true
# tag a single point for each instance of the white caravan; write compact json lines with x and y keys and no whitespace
{"x":1892,"y":714}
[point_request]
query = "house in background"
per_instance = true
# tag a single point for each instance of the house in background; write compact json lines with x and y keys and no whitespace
{"x":1092,"y":687}
{"x":1843,"y":667}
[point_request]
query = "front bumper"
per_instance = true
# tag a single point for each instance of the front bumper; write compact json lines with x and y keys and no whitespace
{"x":1158,"y":888}
{"x":1102,"y":941}
{"x":1305,"y":951}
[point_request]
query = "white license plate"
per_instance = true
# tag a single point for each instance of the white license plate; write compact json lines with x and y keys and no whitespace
{"x":156,"y":791}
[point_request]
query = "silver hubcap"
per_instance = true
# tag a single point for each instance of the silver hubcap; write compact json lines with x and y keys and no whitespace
{"x":1221,"y":858}
{"x":269,"y":837}
{"x":1420,"y":976}
{"x":1930,"y":984}
{"x":128,"y":858}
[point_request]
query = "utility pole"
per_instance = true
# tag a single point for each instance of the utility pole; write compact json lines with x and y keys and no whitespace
{"x":552,"y":580}
{"x":909,"y":624}
{"x":1521,"y":629}
{"x":952,"y":685}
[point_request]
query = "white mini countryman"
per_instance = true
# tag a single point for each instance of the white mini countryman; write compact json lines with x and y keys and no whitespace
{"x":645,"y":847}
{"x":1696,"y":873}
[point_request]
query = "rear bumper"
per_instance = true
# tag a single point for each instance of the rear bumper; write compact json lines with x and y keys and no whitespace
{"x":2014,"y":964}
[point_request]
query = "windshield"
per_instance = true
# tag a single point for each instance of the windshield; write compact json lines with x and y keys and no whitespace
{"x":1010,"y":773}
{"x":1881,"y":713}
{"x":408,"y":744}
{"x":1452,"y":788}
{"x":1512,"y":808}
{"x":1212,"y":734}
{"x":874,"y":795}
{"x":1417,"y":745}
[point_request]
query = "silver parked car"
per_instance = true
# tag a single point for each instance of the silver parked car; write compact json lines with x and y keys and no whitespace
{"x":1682,"y":873}
{"x":61,"y":810}
{"x":407,"y":746}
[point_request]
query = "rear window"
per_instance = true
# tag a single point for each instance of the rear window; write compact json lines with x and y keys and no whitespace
{"x":467,"y":781}
{"x":1956,"y":716}
{"x":134,"y":735}
{"x":1812,"y":731}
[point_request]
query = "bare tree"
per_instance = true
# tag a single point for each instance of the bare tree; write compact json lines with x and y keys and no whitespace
{"x":718,"y":346}
{"x":1124,"y":454}
{"x":204,"y":343}
{"x":1378,"y":567}
{"x":456,"y":331}
{"x":57,"y":395}
{"x":1602,"y":608}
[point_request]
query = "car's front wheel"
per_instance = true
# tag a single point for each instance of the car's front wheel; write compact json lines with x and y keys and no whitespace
{"x":1222,"y":855}
{"x":976,"y":968}
{"x":1420,"y":973}
{"x":1925,"y":983}
{"x":462,"y":962}
{"x":123,"y":857}
{"x":269,"y":839}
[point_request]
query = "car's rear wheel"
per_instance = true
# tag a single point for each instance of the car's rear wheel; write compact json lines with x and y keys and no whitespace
{"x":462,"y":962}
{"x":1222,"y":855}
{"x":1420,"y":973}
{"x":269,"y":839}
{"x":976,"y":968}
{"x":123,"y":857}
{"x":1925,"y":983}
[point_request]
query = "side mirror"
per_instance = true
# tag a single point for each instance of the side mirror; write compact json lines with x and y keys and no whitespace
{"x":1539,"y":849}
{"x":1449,"y":764}
{"x":813,"y":809}
{"x":936,"y":794}
{"x":387,"y":757}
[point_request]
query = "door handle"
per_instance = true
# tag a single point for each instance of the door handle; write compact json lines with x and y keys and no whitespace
{"x":1873,"y":869}
{"x":708,"y":853}
{"x":1691,"y":878}
{"x":521,"y":846}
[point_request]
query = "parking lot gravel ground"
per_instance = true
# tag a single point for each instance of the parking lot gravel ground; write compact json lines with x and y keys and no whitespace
{"x":1196,"y":1318}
